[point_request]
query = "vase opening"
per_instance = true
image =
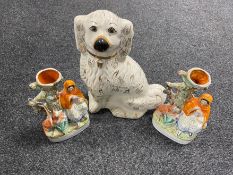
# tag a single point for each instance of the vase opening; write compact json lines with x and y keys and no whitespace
{"x":199,"y":77}
{"x":48,"y":76}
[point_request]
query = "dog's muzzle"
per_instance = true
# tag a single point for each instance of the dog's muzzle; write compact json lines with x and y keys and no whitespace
{"x":101,"y":45}
{"x":100,"y":58}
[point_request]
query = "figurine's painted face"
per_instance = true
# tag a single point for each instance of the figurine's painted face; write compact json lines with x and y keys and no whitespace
{"x":204,"y":102}
{"x":104,"y":34}
{"x":70,"y":88}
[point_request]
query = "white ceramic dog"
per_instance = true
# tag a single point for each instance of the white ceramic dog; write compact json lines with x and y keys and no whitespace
{"x":114,"y":80}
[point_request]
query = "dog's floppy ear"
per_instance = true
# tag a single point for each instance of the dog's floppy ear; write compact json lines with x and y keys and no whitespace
{"x":126,"y":38}
{"x":79,"y":32}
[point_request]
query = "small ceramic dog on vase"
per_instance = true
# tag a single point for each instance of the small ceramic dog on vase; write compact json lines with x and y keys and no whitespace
{"x":185,"y":115}
{"x":67,"y":111}
{"x":114,"y":80}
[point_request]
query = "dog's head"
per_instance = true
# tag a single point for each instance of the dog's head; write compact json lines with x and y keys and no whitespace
{"x":103,"y":34}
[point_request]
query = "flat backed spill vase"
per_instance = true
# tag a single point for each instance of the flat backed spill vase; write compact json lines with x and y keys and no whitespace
{"x":185,"y":114}
{"x":66,"y":111}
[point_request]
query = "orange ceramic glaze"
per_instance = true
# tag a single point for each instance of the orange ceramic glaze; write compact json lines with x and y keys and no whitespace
{"x":192,"y":103}
{"x":57,"y":119}
{"x":48,"y":76}
{"x":47,"y":124}
{"x":166,"y":108}
{"x":199,"y":77}
{"x":65,"y":95}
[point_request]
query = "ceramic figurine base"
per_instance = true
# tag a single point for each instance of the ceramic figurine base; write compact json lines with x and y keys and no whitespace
{"x":184,"y":115}
{"x":72,"y":130}
{"x":170,"y":130}
{"x":67,"y":110}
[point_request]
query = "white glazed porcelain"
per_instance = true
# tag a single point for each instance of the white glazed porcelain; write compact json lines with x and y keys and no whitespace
{"x":114,"y":80}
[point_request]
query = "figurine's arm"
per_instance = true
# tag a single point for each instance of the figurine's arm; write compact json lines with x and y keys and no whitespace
{"x":200,"y":118}
{"x":78,"y":99}
{"x":192,"y":110}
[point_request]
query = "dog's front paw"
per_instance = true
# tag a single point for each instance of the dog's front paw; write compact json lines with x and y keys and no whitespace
{"x":131,"y":114}
{"x":93,"y":104}
{"x":94,"y":107}
{"x":118,"y":113}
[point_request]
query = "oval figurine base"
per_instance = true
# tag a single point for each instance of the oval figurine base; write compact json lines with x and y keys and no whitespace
{"x":72,"y":130}
{"x":170,"y":130}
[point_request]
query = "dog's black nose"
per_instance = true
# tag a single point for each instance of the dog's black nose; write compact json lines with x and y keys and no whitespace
{"x":101,"y":45}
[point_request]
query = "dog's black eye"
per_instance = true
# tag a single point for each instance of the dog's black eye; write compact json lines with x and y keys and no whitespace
{"x":112,"y":30}
{"x":93,"y":28}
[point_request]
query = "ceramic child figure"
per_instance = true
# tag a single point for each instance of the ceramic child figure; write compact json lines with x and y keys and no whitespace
{"x":185,"y":115}
{"x":67,"y":112}
{"x":195,"y":114}
{"x":73,"y":102}
{"x":114,"y":80}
